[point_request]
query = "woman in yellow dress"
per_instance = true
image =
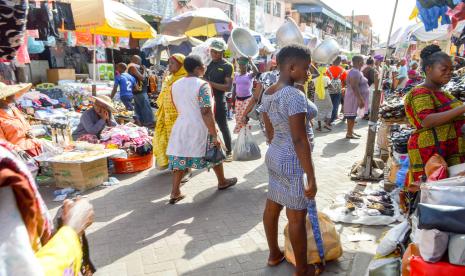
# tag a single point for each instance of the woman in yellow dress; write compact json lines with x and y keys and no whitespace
{"x":166,"y":113}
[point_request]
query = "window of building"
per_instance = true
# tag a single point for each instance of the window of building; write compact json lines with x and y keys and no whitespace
{"x":268,"y":6}
{"x":277,"y":9}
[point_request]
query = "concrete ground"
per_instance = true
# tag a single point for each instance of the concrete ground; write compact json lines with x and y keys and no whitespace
{"x":214,"y":232}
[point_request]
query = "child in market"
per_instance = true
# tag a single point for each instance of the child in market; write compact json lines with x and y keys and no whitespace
{"x":126,"y":83}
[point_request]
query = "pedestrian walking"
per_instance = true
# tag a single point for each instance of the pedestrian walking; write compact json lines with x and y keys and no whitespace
{"x":337,"y":75}
{"x":142,"y":106}
{"x":356,"y":96}
{"x":322,"y":99}
{"x":287,"y":114}
{"x":194,"y":130}
{"x":242,"y":90}
{"x":219,"y":75}
{"x":126,"y":83}
{"x":167,"y":113}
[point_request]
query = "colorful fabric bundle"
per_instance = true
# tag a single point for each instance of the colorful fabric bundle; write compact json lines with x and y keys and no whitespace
{"x":430,"y":16}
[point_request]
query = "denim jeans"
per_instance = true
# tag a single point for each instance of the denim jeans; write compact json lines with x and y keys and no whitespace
{"x":336,"y":100}
{"x":143,"y":109}
{"x":127,"y":101}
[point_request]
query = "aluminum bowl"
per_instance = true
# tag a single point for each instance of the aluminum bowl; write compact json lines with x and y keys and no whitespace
{"x":242,"y":43}
{"x":326,"y":52}
{"x":289,"y":33}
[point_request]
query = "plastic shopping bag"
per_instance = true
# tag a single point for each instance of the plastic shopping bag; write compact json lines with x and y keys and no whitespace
{"x":246,"y":149}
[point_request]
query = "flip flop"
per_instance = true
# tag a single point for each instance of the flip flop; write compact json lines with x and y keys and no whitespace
{"x":318,"y":129}
{"x":175,"y":200}
{"x":276,"y":262}
{"x":328,"y":128}
{"x":352,"y":137}
{"x":229,"y":183}
{"x":355,"y":134}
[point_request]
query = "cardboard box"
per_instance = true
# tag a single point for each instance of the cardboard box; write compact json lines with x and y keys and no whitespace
{"x":54,"y":75}
{"x":80,"y":176}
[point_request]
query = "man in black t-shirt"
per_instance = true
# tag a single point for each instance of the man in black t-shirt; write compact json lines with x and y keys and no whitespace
{"x":219,"y":74}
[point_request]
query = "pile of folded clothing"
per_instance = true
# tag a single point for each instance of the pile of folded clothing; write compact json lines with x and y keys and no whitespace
{"x":135,"y":140}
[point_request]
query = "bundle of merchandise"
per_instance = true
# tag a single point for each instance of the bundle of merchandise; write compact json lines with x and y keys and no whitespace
{"x":392,"y":108}
{"x":456,"y":87}
{"x":131,"y":138}
{"x":438,"y":230}
{"x":122,"y":112}
{"x":399,"y":138}
{"x":374,"y":206}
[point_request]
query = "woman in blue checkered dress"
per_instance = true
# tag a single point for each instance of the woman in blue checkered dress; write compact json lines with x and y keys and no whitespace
{"x":287,"y":115}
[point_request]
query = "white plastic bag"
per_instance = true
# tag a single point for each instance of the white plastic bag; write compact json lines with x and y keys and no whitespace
{"x":246,"y":149}
{"x":393,"y":237}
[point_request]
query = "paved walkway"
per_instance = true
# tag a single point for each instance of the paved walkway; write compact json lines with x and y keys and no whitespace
{"x":211,"y":232}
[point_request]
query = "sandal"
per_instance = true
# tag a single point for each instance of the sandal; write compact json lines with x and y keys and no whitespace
{"x":228,"y":183}
{"x":355,"y":134}
{"x":328,"y":128}
{"x":175,"y":200}
{"x":272,"y":263}
{"x":352,"y":137}
{"x":318,"y":129}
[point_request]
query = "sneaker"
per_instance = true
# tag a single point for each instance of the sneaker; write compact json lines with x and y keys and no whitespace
{"x":228,"y":158}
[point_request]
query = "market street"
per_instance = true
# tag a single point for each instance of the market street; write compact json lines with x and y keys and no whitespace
{"x":213,"y":233}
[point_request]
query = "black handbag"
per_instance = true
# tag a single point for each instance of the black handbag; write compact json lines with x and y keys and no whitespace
{"x":213,"y":154}
{"x":441,"y":217}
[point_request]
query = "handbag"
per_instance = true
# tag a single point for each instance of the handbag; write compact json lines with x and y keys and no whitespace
{"x":441,"y":217}
{"x":213,"y":154}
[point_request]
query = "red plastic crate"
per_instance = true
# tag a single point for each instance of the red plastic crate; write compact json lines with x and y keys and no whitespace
{"x":132,"y":164}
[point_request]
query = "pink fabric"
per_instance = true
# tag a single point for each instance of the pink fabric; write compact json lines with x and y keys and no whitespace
{"x":22,"y":55}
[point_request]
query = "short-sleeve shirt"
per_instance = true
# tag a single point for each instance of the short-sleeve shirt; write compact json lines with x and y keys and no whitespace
{"x":402,"y":72}
{"x":337,"y":72}
{"x":126,"y":83}
{"x":243,"y":84}
{"x":218,"y":71}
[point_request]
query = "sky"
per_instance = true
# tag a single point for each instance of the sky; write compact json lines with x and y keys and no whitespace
{"x":380,"y":12}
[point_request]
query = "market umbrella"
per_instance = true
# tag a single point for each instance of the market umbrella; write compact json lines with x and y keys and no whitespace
{"x":110,"y":18}
{"x":207,"y":22}
{"x":176,"y":44}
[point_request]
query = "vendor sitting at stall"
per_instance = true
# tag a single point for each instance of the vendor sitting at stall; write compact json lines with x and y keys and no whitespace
{"x":437,"y":116}
{"x":14,"y":127}
{"x":94,"y":120}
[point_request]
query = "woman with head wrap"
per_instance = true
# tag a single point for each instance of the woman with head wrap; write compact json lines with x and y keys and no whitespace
{"x":166,"y":113}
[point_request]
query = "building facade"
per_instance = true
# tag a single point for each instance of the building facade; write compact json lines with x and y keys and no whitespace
{"x":363,"y":33}
{"x":320,"y":20}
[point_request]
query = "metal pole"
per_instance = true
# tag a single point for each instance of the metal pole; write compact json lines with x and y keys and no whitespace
{"x":252,"y":7}
{"x":352,"y":31}
{"x":372,"y":124}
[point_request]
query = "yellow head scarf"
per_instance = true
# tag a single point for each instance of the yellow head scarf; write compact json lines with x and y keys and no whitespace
{"x":320,"y":83}
{"x":171,"y":78}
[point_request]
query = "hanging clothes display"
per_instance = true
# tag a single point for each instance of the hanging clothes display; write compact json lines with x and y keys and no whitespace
{"x":63,"y":16}
{"x":457,"y":14}
{"x":438,"y":3}
{"x":7,"y":72}
{"x":430,"y":16}
{"x":41,"y":19}
{"x":22,"y":56}
{"x":12,"y":27}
